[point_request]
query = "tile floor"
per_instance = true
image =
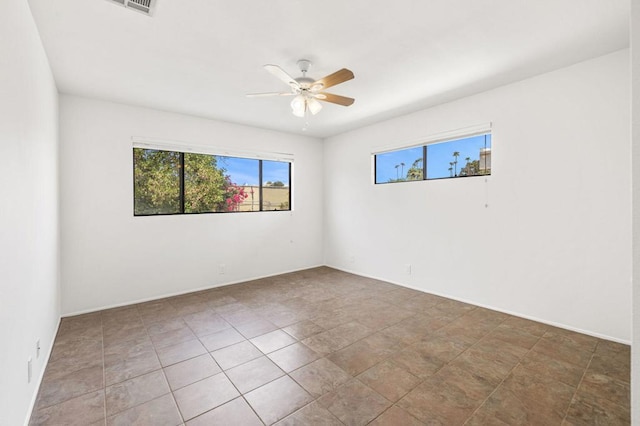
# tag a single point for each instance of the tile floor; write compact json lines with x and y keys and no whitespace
{"x":323,"y":347}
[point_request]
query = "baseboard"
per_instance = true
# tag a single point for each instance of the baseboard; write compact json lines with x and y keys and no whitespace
{"x":493,"y":308}
{"x":32,"y":404}
{"x":448,"y":296}
{"x":179,"y":293}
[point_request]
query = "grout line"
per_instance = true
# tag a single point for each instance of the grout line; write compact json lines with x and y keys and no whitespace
{"x":104,"y":371}
{"x":508,"y":374}
{"x":252,"y":409}
{"x":584,"y":373}
{"x":253,"y":306}
{"x":171,"y":391}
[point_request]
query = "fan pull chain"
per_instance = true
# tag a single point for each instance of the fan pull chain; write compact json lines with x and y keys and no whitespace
{"x":306,"y":118}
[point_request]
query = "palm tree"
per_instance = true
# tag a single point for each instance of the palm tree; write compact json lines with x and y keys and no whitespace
{"x":467,"y":167}
{"x":402,"y":169}
{"x":456,"y":154}
{"x":451,"y":171}
{"x":397,"y":177}
{"x":415,"y":172}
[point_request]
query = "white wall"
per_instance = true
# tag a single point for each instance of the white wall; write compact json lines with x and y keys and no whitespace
{"x":635,"y":143}
{"x":553,"y":243}
{"x":110,"y":257}
{"x":29,"y":293}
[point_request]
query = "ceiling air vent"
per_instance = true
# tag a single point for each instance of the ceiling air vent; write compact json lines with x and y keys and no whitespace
{"x":142,"y":6}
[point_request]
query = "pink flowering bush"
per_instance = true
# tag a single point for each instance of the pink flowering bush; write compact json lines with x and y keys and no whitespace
{"x":234,"y":194}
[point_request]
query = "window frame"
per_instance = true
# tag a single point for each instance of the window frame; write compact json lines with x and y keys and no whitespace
{"x":182,"y":182}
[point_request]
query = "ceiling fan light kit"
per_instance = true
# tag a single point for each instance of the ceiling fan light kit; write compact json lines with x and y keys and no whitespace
{"x":307,"y":92}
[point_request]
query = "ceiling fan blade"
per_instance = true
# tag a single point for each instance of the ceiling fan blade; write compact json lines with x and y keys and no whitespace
{"x":337,"y":77}
{"x":335,"y":99}
{"x":282,"y":75}
{"x":259,"y":95}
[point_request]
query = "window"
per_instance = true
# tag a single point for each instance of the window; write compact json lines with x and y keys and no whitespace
{"x":275,"y":189}
{"x":400,"y":166}
{"x":470,"y":156}
{"x":170,"y":182}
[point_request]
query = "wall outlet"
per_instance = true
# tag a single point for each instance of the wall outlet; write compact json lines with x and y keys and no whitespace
{"x":29,"y":365}
{"x":221,"y":269}
{"x":407,"y":269}
{"x":37,"y":348}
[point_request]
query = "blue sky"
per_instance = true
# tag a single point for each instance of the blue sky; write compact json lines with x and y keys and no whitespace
{"x":439,"y":155}
{"x":386,"y":163}
{"x":245,"y":171}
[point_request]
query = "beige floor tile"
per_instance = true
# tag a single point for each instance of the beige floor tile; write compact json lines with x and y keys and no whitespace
{"x":600,"y":386}
{"x":118,"y":369}
{"x":204,"y":395}
{"x":157,"y":412}
{"x":325,"y":343}
{"x":320,"y":377}
{"x":70,"y":384}
{"x":563,"y":352}
{"x":253,"y":374}
{"x":354,"y":403}
{"x":221,"y":339}
{"x":135,"y":391}
{"x":182,"y":351}
{"x":396,"y":416}
{"x":504,"y":408}
{"x":612,"y":364}
{"x":190,"y":371}
{"x":389,"y":380}
{"x":255,"y":328}
{"x":236,"y":412}
{"x":82,"y":410}
{"x":552,"y":368}
{"x":448,"y":397}
{"x":587,"y":409}
{"x":171,"y":324}
{"x":205,"y":322}
{"x":515,"y":336}
{"x":311,"y":414}
{"x":237,"y":354}
{"x":439,"y":360}
{"x":273,"y":341}
{"x":123,"y":332}
{"x":293,"y":356}
{"x":303,"y":329}
{"x":277,"y":399}
{"x":488,"y":363}
{"x":360,"y":356}
{"x":571,"y":338}
{"x":172,"y":337}
{"x":551,"y":396}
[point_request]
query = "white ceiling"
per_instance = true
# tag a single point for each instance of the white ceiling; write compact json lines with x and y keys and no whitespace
{"x":200,"y":57}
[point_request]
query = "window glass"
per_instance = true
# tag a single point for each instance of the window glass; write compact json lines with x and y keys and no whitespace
{"x":242,"y":177}
{"x":207,"y":184}
{"x":156,"y":181}
{"x":399,"y":166}
{"x":462,"y":157}
{"x":470,"y":156}
{"x":204,"y":184}
{"x":276,"y":188}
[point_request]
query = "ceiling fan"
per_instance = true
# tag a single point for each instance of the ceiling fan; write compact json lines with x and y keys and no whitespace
{"x":308,"y":91}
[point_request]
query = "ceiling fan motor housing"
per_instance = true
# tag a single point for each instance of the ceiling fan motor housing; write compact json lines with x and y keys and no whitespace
{"x":305,"y":82}
{"x":304,"y":65}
